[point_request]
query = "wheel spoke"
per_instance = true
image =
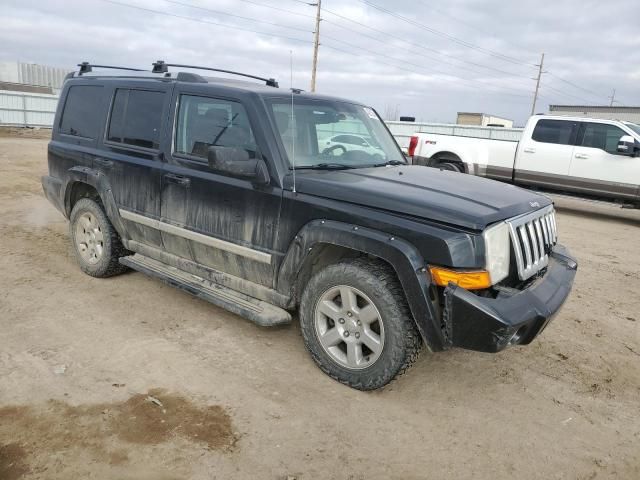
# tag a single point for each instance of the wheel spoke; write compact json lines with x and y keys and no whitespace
{"x":331,"y":338}
{"x":86,"y":223}
{"x":372,"y":340}
{"x":354,"y":354}
{"x":368,"y":314}
{"x":349,"y":300}
{"x":330,"y":309}
{"x":98,"y":235}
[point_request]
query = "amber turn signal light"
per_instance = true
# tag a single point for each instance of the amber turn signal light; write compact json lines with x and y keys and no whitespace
{"x":471,"y":280}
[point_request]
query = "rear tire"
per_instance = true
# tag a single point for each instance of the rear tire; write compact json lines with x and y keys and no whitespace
{"x":95,"y":242}
{"x":365,"y":339}
{"x":451,"y":167}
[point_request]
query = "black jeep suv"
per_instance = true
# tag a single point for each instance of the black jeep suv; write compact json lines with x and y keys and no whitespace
{"x":267,"y":201}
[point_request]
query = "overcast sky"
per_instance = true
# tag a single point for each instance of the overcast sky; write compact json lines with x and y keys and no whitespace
{"x":441,"y":57}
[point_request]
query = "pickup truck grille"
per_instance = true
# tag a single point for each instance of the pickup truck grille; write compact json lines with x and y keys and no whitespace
{"x":533,"y":235}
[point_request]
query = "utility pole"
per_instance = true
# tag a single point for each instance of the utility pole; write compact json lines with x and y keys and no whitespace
{"x":535,"y":96}
{"x":613,"y":97}
{"x":316,"y":44}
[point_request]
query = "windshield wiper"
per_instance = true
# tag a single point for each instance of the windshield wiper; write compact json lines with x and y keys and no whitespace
{"x":325,"y":166}
{"x":390,"y":162}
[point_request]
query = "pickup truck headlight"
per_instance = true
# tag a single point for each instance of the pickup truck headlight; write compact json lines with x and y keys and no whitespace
{"x":497,"y":251}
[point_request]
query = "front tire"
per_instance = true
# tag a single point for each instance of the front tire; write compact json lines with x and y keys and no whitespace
{"x":356,"y":324}
{"x":95,"y":242}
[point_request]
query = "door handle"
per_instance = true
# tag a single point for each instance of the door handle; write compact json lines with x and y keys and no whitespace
{"x":581,"y":155}
{"x":177,"y":179}
{"x":529,"y":150}
{"x":103,"y":162}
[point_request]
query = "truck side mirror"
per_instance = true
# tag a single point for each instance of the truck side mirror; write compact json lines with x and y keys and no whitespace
{"x":627,"y":145}
{"x":235,"y":161}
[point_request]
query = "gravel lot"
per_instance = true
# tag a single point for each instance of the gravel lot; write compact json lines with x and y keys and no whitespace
{"x":127,"y":378}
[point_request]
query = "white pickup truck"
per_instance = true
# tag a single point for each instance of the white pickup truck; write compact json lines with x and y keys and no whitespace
{"x":587,"y":156}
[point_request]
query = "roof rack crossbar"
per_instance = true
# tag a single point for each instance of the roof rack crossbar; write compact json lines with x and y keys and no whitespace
{"x":86,"y":67}
{"x":161,"y":67}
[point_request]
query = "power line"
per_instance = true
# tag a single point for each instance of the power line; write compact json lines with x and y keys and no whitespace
{"x":448,"y":36}
{"x":488,"y":92}
{"x":200,"y":20}
{"x":427,"y":70}
{"x":374,"y":54}
{"x":576,"y":86}
{"x":218,"y":12}
{"x":560,"y":92}
{"x":416,"y":45}
{"x":279,"y":9}
{"x":468,"y":44}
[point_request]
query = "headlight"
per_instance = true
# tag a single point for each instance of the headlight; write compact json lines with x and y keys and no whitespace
{"x":497,"y":251}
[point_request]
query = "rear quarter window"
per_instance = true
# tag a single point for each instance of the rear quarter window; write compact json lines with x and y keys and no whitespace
{"x":82,"y":115}
{"x":554,"y":131}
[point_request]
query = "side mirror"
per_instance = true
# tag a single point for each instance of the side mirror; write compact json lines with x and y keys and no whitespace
{"x":235,"y":161}
{"x":627,"y":145}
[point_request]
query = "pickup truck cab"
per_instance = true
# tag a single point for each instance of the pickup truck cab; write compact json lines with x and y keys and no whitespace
{"x":586,"y":156}
{"x":227,"y":189}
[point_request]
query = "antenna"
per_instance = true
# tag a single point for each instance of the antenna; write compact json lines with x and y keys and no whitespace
{"x":293,"y":123}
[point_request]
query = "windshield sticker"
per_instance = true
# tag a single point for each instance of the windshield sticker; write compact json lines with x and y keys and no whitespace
{"x":370,"y":113}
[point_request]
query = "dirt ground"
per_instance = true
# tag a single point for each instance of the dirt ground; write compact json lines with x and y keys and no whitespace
{"x":127,"y":378}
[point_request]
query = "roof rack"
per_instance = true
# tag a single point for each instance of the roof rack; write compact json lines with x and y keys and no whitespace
{"x":162,"y":67}
{"x":86,"y":67}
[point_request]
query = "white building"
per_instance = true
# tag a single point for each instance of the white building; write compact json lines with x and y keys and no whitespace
{"x":29,"y":93}
{"x":483,"y":120}
{"x":14,"y":75}
{"x":629,"y":114}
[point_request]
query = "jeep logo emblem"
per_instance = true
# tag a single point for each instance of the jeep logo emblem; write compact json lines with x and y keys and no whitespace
{"x":534,"y":204}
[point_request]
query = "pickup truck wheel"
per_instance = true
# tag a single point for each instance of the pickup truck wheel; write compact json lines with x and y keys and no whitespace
{"x":356,"y":324}
{"x":96,"y":243}
{"x":452,"y":167}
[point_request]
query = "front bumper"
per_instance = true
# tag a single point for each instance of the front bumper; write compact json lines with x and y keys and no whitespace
{"x":491,"y":324}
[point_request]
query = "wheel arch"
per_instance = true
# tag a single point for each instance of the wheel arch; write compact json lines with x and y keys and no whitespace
{"x":86,"y":182}
{"x":322,"y":242}
{"x":451,"y":157}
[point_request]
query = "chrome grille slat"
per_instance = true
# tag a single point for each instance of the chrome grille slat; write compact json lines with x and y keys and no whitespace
{"x":527,"y":248}
{"x":533,"y":235}
{"x":534,"y":243}
{"x":536,"y":224}
{"x":545,"y":233}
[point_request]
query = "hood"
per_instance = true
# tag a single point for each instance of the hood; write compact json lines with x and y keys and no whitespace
{"x":448,"y":197}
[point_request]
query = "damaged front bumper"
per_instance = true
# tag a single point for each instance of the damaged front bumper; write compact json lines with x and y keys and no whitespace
{"x":512,"y":318}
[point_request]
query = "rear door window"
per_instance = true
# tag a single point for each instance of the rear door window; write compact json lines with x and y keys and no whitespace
{"x":83,"y":114}
{"x":602,"y":136}
{"x":136,"y":118}
{"x":554,"y":131}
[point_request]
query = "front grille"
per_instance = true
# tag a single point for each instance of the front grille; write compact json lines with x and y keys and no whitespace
{"x":533,"y":235}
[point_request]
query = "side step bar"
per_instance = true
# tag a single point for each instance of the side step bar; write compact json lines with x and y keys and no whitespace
{"x":257,"y":311}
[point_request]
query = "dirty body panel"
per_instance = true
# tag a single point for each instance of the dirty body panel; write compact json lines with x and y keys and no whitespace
{"x":172,"y":207}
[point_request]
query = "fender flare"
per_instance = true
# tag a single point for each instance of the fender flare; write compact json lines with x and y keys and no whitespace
{"x":99,"y":181}
{"x":404,"y":258}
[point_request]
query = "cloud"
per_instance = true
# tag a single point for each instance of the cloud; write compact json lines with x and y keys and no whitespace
{"x":427,"y":74}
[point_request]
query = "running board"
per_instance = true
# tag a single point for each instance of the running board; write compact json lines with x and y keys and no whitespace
{"x":257,"y":311}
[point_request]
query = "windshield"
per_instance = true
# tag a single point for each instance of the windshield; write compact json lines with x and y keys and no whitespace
{"x":323,"y":133}
{"x":634,"y":127}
